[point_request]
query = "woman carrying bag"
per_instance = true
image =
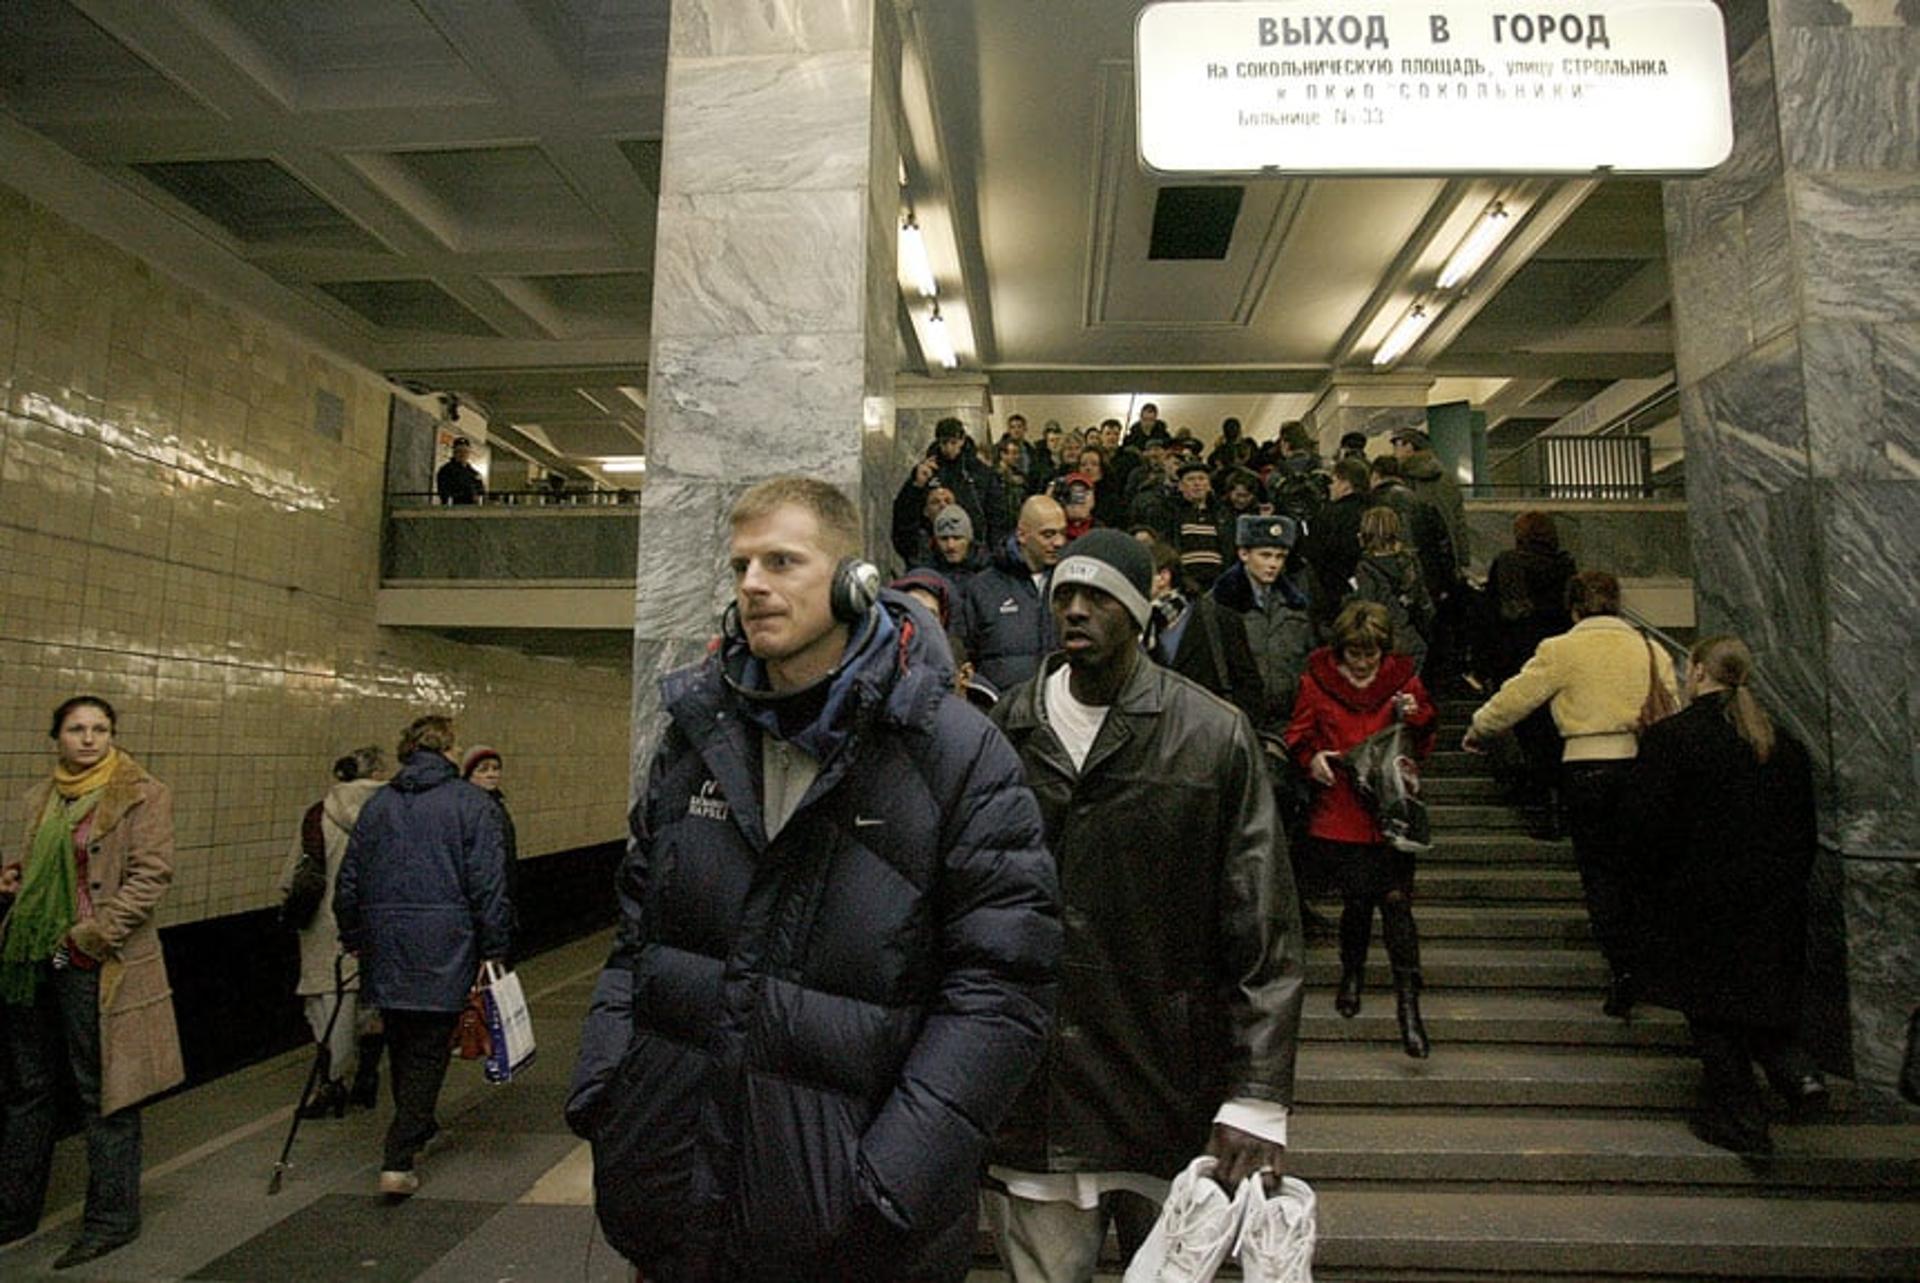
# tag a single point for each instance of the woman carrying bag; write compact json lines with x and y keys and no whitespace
{"x":1354,"y":687}
{"x":1721,"y":801}
{"x":82,"y":977}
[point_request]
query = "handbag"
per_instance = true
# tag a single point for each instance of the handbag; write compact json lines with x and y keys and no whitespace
{"x":470,"y":1037}
{"x":509,"y":1024}
{"x":1386,"y":775}
{"x":1659,"y":704}
{"x":308,"y":885}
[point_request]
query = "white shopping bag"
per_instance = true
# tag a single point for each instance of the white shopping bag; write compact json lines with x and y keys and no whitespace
{"x":509,"y":1024}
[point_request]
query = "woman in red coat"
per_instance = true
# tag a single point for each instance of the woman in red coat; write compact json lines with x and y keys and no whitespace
{"x":1352,"y":688}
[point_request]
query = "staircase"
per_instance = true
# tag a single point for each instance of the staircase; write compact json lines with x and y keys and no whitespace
{"x":1542,"y":1139}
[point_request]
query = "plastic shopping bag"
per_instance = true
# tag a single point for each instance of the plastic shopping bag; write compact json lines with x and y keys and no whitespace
{"x":1387,"y":776}
{"x":509,"y":1024}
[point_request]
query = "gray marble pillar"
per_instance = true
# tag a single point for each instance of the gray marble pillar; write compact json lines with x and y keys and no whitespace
{"x":775,"y":298}
{"x":1796,"y":270}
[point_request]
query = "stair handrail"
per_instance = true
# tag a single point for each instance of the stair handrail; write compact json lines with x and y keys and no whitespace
{"x":1676,"y":650}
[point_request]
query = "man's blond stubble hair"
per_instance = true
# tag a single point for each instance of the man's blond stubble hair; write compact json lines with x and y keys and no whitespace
{"x":832,"y":511}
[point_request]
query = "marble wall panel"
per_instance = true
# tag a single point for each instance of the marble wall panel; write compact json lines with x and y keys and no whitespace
{"x":1696,"y":206}
{"x":1896,"y":359}
{"x":1849,"y":434}
{"x":1876,"y":795}
{"x":760,"y":263}
{"x":751,"y":406}
{"x":1883,"y":952}
{"x":654,"y":658}
{"x":683,"y":582}
{"x":1712,"y":301}
{"x":727,"y":28}
{"x":771,"y":124}
{"x":1858,"y":240}
{"x":1849,"y":98}
{"x":1751,"y":412}
{"x":1773,"y":291}
{"x":1634,"y":543}
{"x":1871,"y":539}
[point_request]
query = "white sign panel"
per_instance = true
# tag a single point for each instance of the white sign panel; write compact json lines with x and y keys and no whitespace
{"x":1432,"y":87}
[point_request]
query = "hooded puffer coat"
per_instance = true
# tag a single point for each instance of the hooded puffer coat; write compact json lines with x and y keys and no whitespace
{"x":800,"y":1044}
{"x":422,"y":894}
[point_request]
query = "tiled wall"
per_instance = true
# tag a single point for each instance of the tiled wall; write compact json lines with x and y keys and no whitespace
{"x":176,"y":536}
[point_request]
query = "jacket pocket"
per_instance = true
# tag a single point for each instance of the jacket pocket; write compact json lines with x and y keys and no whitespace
{"x":647,"y":1161}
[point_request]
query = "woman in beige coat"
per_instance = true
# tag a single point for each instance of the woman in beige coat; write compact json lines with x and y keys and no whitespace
{"x":354,"y":1045}
{"x":82,"y":976}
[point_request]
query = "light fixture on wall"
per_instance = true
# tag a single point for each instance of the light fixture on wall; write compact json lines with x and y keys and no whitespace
{"x":939,"y":343}
{"x":1403,"y":335}
{"x":914,"y":258}
{"x":1478,"y":247}
{"x":624,"y":463}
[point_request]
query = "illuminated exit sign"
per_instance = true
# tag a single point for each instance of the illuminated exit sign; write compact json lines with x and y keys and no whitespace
{"x":1432,"y":87}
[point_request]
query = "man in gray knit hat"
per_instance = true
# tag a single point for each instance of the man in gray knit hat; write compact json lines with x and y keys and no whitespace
{"x":1180,"y":1009}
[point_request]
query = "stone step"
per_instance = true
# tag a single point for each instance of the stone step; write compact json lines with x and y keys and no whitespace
{"x":1444,"y":883}
{"x":1462,"y":788}
{"x":1401,"y":1234}
{"x":1458,"y":711}
{"x":1476,"y":967}
{"x":1507,"y":848}
{"x":1536,"y":926}
{"x":1572,"y":1149}
{"x":1476,"y":817}
{"x":1494,"y":1077}
{"x":1448,"y":762}
{"x":1461,"y":1016}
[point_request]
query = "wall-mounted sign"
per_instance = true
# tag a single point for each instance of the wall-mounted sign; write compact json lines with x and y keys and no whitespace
{"x":1432,"y":87}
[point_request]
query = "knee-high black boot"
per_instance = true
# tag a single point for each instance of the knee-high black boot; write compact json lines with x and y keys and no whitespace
{"x":1403,"y":951}
{"x":1356,"y":933}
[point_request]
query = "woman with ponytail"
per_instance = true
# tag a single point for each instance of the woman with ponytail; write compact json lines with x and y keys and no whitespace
{"x":82,"y":976}
{"x":1722,"y":801}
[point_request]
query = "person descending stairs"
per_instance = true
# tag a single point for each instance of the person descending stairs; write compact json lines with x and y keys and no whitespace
{"x":1542,"y":1138}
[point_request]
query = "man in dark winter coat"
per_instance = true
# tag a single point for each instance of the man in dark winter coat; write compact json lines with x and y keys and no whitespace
{"x":839,"y":933}
{"x":1178,"y":1018}
{"x":976,"y":487}
{"x":1433,"y":483}
{"x":1331,"y":545}
{"x":422,"y":898}
{"x":1272,"y":605}
{"x":1199,"y":639}
{"x":1003,"y":618}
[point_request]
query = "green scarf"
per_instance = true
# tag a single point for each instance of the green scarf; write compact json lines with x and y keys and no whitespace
{"x":49,"y":900}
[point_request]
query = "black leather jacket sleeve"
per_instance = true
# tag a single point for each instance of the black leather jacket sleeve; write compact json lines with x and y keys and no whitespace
{"x":1263,"y":970}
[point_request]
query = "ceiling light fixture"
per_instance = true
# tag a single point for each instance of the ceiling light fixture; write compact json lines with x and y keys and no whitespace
{"x":624,"y":463}
{"x":1479,"y":245}
{"x":1402,"y":336}
{"x":913,"y":257}
{"x":939,"y":343}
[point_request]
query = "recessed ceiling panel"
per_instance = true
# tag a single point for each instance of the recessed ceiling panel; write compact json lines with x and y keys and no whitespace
{"x":368,"y":53}
{"x":598,"y":306}
{"x":502,"y":198}
{"x":258,"y":202}
{"x":611,"y":46}
{"x":1546,"y":294}
{"x":1194,"y":222}
{"x":56,"y":64}
{"x":416,"y":307}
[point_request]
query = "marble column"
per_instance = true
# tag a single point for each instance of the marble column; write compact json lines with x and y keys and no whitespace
{"x":1796,"y":271}
{"x":775,"y":299}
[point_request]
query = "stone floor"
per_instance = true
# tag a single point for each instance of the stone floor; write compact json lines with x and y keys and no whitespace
{"x":506,"y":1198}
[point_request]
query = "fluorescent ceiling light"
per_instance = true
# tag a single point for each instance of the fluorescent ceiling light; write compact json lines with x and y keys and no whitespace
{"x":1479,"y":245}
{"x":624,"y":463}
{"x":939,"y":343}
{"x":1402,"y":336}
{"x":913,"y":258}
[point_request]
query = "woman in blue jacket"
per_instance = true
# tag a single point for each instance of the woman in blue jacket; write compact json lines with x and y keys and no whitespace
{"x":422,"y":899}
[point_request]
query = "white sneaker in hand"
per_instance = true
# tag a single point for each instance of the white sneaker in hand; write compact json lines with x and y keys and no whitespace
{"x":1197,"y":1228}
{"x":1277,"y":1231}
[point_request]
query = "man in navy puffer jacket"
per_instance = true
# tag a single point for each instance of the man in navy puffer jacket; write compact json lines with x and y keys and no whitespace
{"x":422,"y":898}
{"x":838,"y":945}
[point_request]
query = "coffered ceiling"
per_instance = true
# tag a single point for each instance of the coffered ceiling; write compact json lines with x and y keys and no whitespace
{"x":460,"y":193}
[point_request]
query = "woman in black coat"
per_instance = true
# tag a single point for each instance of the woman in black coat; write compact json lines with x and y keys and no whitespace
{"x":1723,"y":803}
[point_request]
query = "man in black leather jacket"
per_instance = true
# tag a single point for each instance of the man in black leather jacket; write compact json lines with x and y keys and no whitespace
{"x":1179,"y":1006}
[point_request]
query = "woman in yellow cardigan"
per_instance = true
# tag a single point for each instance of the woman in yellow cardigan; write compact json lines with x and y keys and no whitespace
{"x":1595,"y":678}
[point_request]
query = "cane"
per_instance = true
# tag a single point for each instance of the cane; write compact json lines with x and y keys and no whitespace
{"x":313,"y":1074}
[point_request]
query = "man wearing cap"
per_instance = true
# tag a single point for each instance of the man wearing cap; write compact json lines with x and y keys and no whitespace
{"x":954,"y":557}
{"x":1421,"y":469}
{"x":1271,"y":599}
{"x":1202,"y":530}
{"x":458,"y":481}
{"x":975,"y":486}
{"x":1003,"y":619}
{"x":1331,"y":544}
{"x":1180,"y":1007}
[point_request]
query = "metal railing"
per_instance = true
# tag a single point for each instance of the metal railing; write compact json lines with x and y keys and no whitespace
{"x":1677,"y":650}
{"x":1579,"y":467}
{"x":541,"y":498}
